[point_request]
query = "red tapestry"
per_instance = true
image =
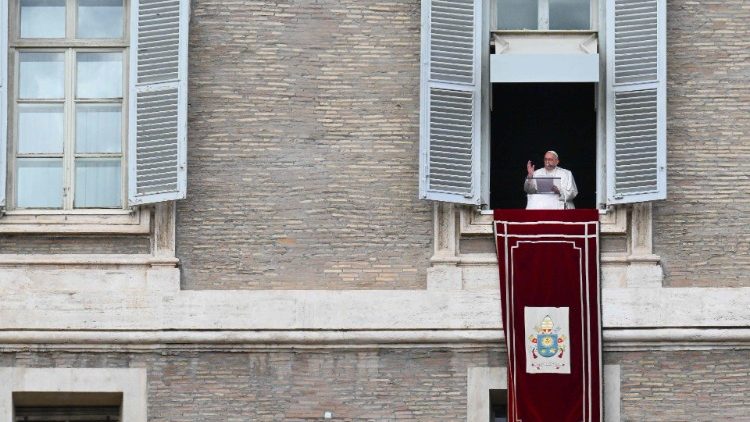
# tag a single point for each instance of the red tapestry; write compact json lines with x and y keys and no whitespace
{"x":549,"y":283}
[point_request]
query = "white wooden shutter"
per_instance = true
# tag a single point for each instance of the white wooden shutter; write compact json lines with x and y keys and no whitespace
{"x":158,"y":101}
{"x":451,"y":101}
{"x":636,"y":100}
{"x":3,"y":99}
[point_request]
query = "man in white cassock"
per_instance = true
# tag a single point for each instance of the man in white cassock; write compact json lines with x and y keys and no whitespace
{"x":564,"y":187}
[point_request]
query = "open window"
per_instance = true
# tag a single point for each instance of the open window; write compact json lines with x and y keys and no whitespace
{"x":95,"y":95}
{"x":491,"y":73}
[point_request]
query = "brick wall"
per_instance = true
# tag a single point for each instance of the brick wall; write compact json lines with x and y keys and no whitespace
{"x":381,"y":385}
{"x":702,"y":232}
{"x":684,"y":386}
{"x":74,"y":244}
{"x":422,"y":384}
{"x":303,"y":125}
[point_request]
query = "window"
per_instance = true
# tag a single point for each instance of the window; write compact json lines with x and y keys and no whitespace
{"x":73,"y":394}
{"x":68,"y":61}
{"x":543,"y":15}
{"x":96,"y":94}
{"x":68,"y":414}
{"x":498,"y":405}
{"x":625,"y":118}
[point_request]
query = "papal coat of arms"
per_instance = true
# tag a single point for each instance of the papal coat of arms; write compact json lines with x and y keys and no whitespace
{"x":547,"y":340}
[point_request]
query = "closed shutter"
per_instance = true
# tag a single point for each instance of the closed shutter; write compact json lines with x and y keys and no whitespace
{"x":3,"y":99}
{"x":451,"y":101}
{"x":158,"y":101}
{"x":636,"y":100}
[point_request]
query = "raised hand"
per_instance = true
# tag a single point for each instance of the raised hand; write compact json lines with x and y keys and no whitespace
{"x":530,"y":169}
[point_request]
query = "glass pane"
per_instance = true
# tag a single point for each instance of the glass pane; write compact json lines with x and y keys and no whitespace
{"x":569,"y":14}
{"x":99,"y":75}
{"x":98,"y":128}
{"x":99,"y":19}
{"x":517,"y":14}
{"x":42,"y":18}
{"x":42,"y":75}
{"x":40,"y":128}
{"x":39,"y":183}
{"x":97,"y":183}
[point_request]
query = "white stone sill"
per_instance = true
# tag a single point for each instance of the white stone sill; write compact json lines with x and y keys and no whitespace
{"x":490,"y":259}
{"x":85,"y":260}
{"x":38,"y":301}
{"x":136,"y":221}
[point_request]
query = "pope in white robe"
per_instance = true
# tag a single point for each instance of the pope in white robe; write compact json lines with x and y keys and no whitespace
{"x":564,"y":187}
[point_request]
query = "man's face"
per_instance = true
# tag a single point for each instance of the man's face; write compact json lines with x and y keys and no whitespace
{"x":550,"y":161}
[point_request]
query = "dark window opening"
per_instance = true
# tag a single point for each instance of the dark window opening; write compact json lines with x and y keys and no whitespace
{"x":67,"y":414}
{"x":498,"y":405}
{"x":528,"y":119}
{"x":67,"y":407}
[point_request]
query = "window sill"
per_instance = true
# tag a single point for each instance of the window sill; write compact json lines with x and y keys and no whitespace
{"x":545,"y":31}
{"x":137,"y":221}
{"x":86,"y":260}
{"x":473,"y":222}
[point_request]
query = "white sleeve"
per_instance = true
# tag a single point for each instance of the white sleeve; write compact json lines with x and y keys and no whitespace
{"x":568,"y":188}
{"x":530,"y":185}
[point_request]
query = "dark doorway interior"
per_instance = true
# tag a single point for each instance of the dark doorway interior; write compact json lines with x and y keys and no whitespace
{"x":529,"y":119}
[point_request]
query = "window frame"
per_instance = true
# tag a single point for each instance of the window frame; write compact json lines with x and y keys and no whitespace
{"x":543,"y":18}
{"x":132,"y":383}
{"x":70,"y":46}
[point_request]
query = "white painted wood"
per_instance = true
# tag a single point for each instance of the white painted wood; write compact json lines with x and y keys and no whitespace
{"x":544,"y":68}
{"x":131,"y":382}
{"x":135,"y":221}
{"x":452,"y":104}
{"x":636,"y":101}
{"x":3,"y":99}
{"x":157,"y":168}
{"x":543,"y":15}
{"x":545,"y":42}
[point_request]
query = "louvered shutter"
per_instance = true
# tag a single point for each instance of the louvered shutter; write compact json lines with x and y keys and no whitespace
{"x":451,"y":101}
{"x":158,"y":101}
{"x":3,"y":99}
{"x":636,"y":100}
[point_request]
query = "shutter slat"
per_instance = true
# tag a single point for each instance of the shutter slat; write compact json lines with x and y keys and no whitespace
{"x":635,"y":30}
{"x":456,"y":130}
{"x":452,"y":38}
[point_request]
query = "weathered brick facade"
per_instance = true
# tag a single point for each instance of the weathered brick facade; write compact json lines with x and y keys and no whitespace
{"x":304,"y":122}
{"x":702,"y":231}
{"x":424,"y":384}
{"x":427,"y":384}
{"x":684,"y":385}
{"x":303,"y":166}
